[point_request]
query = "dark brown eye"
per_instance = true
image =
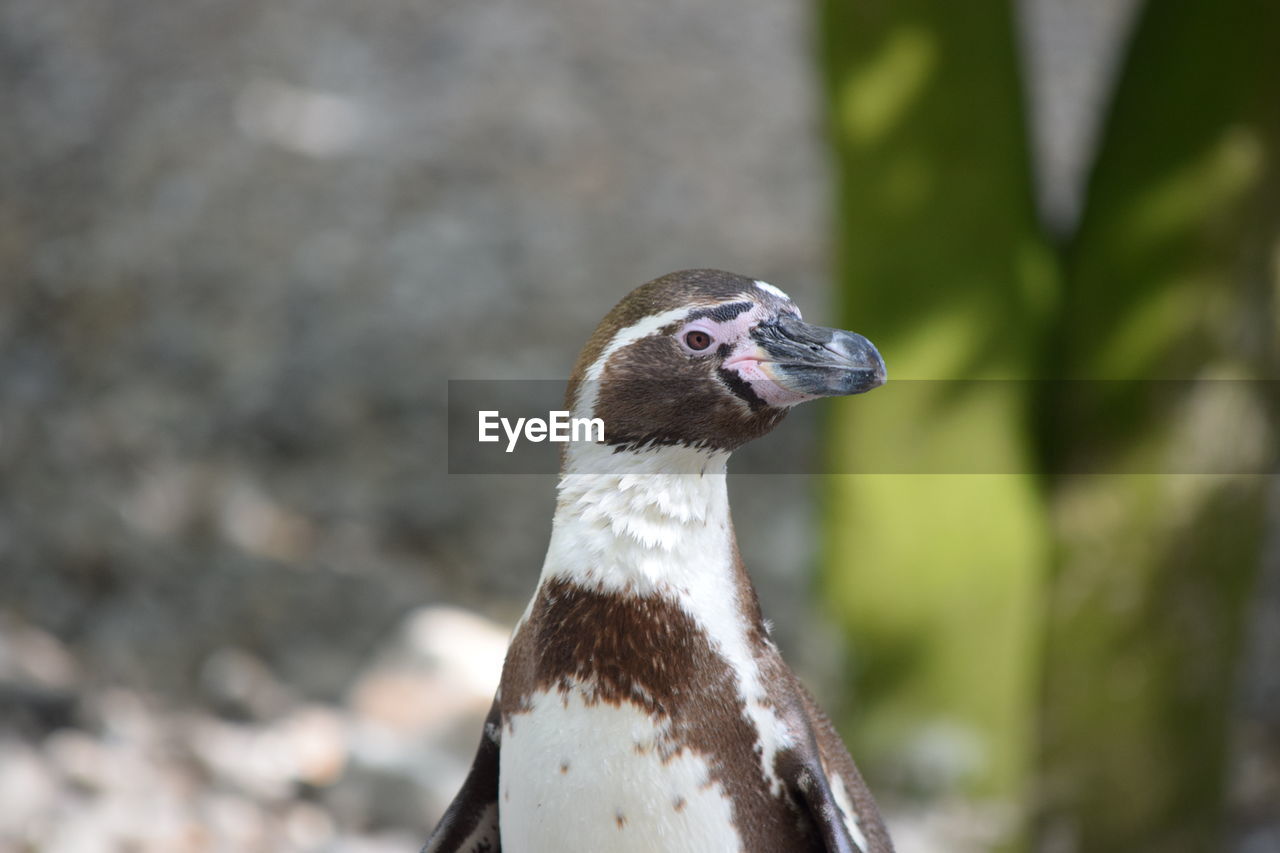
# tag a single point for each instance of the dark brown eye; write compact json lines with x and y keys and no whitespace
{"x":696,"y":340}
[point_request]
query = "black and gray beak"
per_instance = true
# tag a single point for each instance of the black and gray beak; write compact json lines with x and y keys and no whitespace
{"x":818,"y":362}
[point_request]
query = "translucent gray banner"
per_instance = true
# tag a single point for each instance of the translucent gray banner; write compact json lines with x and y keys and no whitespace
{"x":1040,"y":427}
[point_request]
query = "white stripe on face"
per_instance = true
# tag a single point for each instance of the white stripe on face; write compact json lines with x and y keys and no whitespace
{"x":585,"y":404}
{"x":625,"y":337}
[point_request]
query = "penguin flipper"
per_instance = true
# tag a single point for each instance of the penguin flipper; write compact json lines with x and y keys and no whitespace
{"x":470,"y":824}
{"x":803,"y":775}
{"x":837,"y":798}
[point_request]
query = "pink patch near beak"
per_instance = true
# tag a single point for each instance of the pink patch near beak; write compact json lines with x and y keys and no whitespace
{"x":754,"y":370}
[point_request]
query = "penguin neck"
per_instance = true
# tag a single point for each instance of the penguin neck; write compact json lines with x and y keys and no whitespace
{"x":646,"y":522}
{"x":657,"y":526}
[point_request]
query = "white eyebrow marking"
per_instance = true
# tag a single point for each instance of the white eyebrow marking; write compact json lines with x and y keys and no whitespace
{"x":769,"y":288}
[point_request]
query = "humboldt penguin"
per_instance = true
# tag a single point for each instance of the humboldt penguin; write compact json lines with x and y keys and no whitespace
{"x":643,"y":706}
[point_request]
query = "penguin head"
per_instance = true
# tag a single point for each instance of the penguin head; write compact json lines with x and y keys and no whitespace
{"x":710,"y":360}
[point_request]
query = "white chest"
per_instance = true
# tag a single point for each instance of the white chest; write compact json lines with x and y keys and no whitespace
{"x":579,"y":776}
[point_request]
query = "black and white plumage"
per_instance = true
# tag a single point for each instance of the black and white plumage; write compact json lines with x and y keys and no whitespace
{"x":642,"y":705}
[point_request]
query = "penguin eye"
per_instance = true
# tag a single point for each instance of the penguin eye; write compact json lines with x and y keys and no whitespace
{"x":697,"y":340}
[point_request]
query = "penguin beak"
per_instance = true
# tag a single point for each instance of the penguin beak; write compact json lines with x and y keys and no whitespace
{"x":812,"y":361}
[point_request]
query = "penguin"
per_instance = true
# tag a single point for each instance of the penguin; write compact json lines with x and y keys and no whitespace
{"x":642,"y":705}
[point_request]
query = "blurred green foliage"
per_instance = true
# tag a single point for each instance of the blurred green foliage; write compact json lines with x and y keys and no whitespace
{"x":1170,"y":275}
{"x":945,"y":269}
{"x":1030,"y":629}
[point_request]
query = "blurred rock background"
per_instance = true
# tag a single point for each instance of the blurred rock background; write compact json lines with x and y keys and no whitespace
{"x":243,"y":248}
